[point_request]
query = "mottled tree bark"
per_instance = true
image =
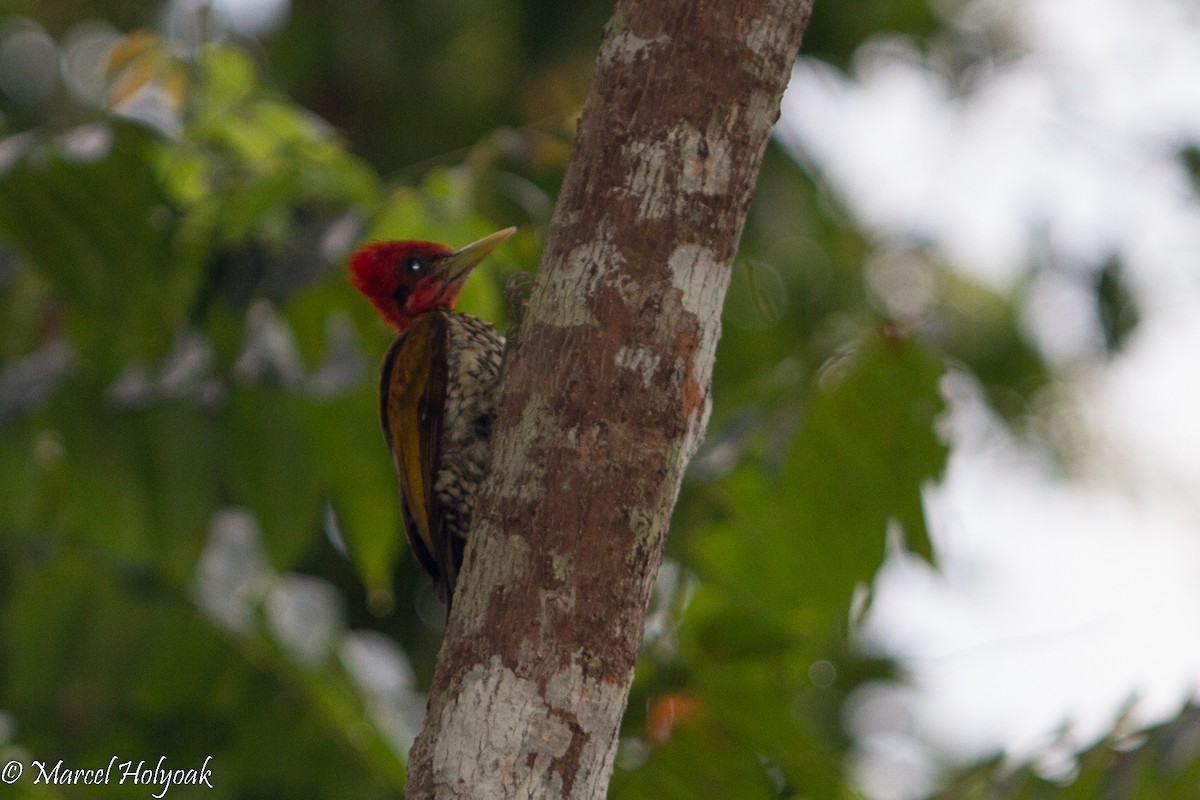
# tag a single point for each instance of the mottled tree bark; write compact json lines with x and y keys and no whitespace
{"x":605,"y":399}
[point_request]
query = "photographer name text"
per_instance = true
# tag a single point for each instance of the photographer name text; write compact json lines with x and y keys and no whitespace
{"x":158,"y":777}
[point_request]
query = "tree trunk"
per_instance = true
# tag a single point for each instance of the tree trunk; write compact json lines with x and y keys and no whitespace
{"x":605,"y":399}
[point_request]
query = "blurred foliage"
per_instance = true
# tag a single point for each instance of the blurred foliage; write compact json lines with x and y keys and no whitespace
{"x":1160,"y":762}
{"x":1189,"y":156}
{"x":199,"y":539}
{"x":1117,"y":307}
{"x":835,"y":32}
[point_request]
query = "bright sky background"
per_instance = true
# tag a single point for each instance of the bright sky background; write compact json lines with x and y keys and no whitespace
{"x":1058,"y":600}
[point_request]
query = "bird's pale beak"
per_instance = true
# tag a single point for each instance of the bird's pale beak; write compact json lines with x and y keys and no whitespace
{"x":458,"y":265}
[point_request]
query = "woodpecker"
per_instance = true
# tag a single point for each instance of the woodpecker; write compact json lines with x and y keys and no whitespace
{"x":437,"y":390}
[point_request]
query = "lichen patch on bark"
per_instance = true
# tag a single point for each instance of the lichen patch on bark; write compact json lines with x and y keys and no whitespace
{"x":667,"y":171}
{"x":692,"y":269}
{"x":645,"y":527}
{"x":585,"y":700}
{"x":555,"y":723}
{"x":699,"y":278}
{"x":765,"y":36}
{"x":627,"y":47}
{"x":504,"y":560}
{"x":639,"y":360}
{"x":595,"y":265}
{"x":647,"y":163}
{"x":706,"y":161}
{"x":526,"y":480}
{"x":496,"y":693}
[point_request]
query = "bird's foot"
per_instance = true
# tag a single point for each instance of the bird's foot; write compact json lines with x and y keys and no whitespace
{"x":516,"y":298}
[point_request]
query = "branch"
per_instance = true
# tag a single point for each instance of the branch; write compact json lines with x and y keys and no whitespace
{"x":605,"y":400}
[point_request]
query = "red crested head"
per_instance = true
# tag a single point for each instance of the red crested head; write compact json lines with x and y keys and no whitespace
{"x":406,"y":279}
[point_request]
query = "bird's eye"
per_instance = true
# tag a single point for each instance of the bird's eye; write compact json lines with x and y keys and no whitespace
{"x":414,"y":265}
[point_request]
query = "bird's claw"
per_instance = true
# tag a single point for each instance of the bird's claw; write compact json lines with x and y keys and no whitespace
{"x":516,"y":298}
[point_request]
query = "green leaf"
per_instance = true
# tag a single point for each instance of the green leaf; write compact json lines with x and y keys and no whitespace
{"x":273,"y":469}
{"x":87,"y":212}
{"x":1116,"y":304}
{"x":798,"y":544}
{"x":357,"y":472}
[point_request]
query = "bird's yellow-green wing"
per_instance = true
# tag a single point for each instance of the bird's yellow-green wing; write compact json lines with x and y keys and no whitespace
{"x":412,"y":391}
